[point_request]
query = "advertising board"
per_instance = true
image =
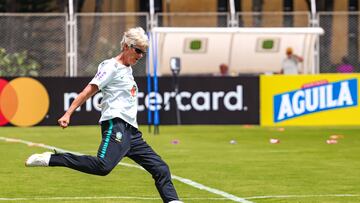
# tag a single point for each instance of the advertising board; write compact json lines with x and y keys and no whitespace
{"x":201,"y":100}
{"x":309,"y":100}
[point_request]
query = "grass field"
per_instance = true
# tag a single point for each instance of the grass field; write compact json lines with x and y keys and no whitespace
{"x":302,"y":168}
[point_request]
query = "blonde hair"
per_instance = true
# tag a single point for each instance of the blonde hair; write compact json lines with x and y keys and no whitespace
{"x":289,"y":50}
{"x":135,"y":36}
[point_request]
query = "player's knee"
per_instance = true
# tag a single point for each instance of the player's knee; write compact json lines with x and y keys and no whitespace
{"x":103,"y":171}
{"x":162,"y":171}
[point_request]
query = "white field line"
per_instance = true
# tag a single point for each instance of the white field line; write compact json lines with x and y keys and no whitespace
{"x":73,"y":198}
{"x":183,"y":180}
{"x":302,"y":196}
{"x":155,"y":198}
{"x":95,"y":197}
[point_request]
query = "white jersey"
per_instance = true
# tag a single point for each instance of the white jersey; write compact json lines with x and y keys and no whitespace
{"x":119,"y":90}
{"x":290,"y":66}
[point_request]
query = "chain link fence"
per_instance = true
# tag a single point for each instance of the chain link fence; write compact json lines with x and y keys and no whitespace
{"x":274,"y":19}
{"x":39,"y":42}
{"x":339,"y":46}
{"x":99,"y":36}
{"x":192,"y":19}
{"x":33,"y":44}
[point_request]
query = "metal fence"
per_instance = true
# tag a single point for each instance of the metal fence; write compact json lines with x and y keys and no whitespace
{"x":99,"y":36}
{"x":274,"y":19}
{"x":40,"y":42}
{"x":192,"y":19}
{"x":340,"y":43}
{"x":33,"y":44}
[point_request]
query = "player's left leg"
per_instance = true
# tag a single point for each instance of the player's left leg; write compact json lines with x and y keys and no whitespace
{"x":115,"y":144}
{"x":145,"y":156}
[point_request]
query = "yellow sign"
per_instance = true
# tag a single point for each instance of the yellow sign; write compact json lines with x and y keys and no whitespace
{"x":309,"y":100}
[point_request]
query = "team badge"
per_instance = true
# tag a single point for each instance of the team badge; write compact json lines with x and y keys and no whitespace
{"x":133,"y":91}
{"x":118,"y":136}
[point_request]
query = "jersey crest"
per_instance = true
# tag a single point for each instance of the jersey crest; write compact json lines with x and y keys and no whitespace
{"x":133,"y":91}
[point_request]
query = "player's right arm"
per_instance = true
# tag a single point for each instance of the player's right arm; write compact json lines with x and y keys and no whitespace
{"x":299,"y":58}
{"x":88,"y":91}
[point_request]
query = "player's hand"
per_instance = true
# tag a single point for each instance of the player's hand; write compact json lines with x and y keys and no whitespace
{"x":64,"y":121}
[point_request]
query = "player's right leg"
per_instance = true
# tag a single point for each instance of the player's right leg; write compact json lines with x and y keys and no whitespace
{"x":145,"y":156}
{"x":109,"y":154}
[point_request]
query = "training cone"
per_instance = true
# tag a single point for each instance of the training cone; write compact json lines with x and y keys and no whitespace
{"x":274,"y":141}
{"x":331,"y":141}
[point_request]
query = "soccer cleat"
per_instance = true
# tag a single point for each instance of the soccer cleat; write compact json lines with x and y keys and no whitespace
{"x":176,"y":201}
{"x":38,"y":159}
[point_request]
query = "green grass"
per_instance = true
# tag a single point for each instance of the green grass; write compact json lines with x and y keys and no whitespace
{"x":302,"y":166}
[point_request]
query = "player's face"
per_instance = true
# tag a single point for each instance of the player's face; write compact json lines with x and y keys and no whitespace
{"x":135,"y":54}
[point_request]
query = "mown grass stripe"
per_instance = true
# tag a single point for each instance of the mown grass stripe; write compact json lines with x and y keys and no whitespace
{"x":183,"y":180}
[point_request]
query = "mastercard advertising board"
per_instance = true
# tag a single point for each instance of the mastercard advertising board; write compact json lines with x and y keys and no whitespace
{"x":41,"y":101}
{"x":23,"y":101}
{"x":309,"y":100}
{"x":26,"y":101}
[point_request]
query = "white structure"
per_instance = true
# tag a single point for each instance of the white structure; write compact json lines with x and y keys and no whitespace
{"x":244,"y":50}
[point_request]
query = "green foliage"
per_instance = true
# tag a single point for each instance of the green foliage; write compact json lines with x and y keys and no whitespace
{"x":18,"y":64}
